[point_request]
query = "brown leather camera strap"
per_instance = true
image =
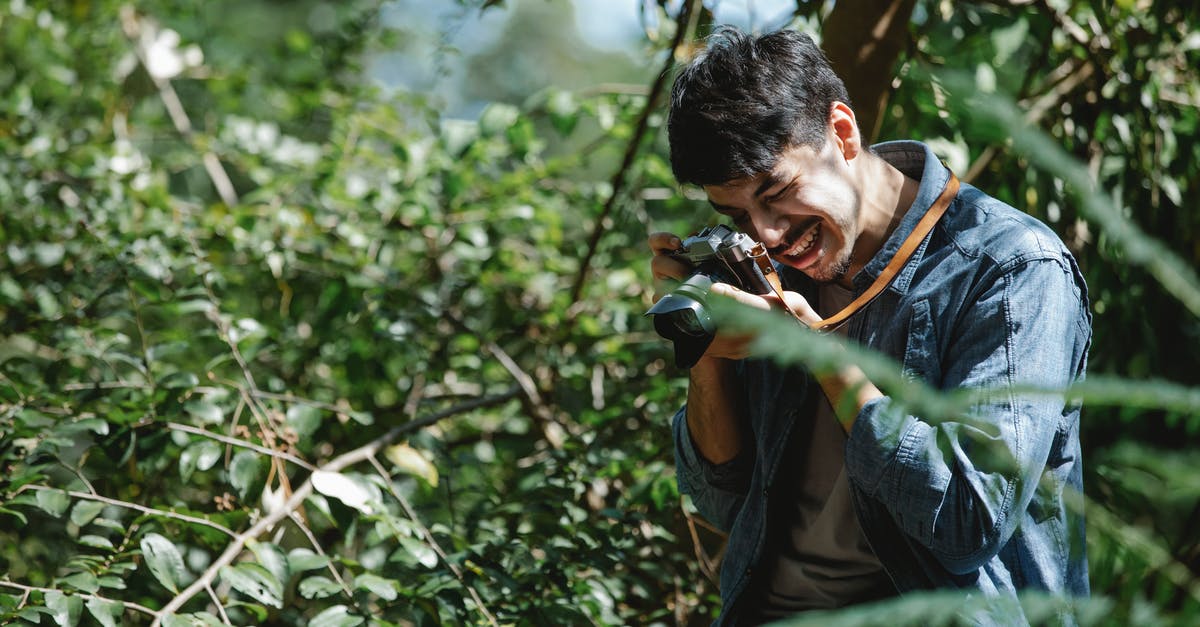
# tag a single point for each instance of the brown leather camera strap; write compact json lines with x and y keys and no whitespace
{"x":892,"y":270}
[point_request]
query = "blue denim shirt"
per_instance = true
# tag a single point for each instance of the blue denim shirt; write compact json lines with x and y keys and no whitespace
{"x":991,"y":298}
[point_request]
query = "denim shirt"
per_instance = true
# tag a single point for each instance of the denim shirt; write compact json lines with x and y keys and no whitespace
{"x":991,"y":298}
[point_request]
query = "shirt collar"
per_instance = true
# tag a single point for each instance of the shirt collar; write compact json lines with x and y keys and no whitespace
{"x":917,"y":161}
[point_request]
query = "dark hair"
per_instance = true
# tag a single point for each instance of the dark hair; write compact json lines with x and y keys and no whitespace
{"x":738,"y":105}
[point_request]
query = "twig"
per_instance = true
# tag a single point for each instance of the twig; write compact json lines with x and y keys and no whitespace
{"x":430,"y":540}
{"x":617,"y":183}
{"x":321,"y":551}
{"x":297,"y":498}
{"x":220,"y":608}
{"x":179,"y":117}
{"x":134,"y":506}
{"x":1035,"y":113}
{"x":128,"y":604}
{"x":175,"y":426}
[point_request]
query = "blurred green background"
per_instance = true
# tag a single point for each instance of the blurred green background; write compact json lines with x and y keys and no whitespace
{"x":330,"y":313}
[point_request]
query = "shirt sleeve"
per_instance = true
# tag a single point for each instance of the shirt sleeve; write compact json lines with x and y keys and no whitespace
{"x":717,"y":490}
{"x":960,"y":488}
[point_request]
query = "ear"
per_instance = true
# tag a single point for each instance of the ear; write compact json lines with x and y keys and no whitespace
{"x":844,"y":128}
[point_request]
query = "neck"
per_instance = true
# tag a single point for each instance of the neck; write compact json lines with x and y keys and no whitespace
{"x":887,"y":195}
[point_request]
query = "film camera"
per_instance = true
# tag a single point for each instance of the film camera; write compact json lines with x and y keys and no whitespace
{"x":718,"y":254}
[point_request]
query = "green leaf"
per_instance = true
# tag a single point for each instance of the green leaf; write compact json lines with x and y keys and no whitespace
{"x":199,"y":456}
{"x":336,"y":616}
{"x":271,"y":557}
{"x":318,"y":587}
{"x":304,"y":559}
{"x":380,"y":587}
{"x":420,"y":550}
{"x":19,"y":515}
{"x":65,"y":609}
{"x":96,"y":542}
{"x":411,"y":461}
{"x":164,"y":560}
{"x":243,"y":472}
{"x":53,"y":502}
{"x":85,"y":511}
{"x":205,"y":412}
{"x":344,"y":489}
{"x":303,"y":419}
{"x":255,"y":582}
{"x":199,"y":619}
{"x":106,"y":612}
{"x":84,"y":582}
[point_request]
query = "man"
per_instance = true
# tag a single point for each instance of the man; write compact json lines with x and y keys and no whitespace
{"x":826,"y":508}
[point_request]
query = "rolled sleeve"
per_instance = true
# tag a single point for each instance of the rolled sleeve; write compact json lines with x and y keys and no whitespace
{"x":717,"y":490}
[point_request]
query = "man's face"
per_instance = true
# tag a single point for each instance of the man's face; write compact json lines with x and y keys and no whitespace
{"x":805,"y":211}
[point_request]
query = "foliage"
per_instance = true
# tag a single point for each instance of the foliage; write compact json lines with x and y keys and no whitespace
{"x":279,"y":346}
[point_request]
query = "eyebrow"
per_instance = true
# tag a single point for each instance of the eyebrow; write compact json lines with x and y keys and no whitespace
{"x":770,"y":180}
{"x":726,"y":209}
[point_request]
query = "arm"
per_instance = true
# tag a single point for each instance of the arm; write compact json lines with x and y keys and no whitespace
{"x":960,"y":488}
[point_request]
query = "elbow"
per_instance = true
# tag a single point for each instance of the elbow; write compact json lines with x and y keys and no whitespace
{"x":968,"y":538}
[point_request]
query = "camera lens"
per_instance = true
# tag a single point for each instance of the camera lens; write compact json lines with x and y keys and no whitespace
{"x":686,"y":321}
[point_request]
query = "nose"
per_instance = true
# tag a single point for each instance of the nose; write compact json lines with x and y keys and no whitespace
{"x":771,"y":230}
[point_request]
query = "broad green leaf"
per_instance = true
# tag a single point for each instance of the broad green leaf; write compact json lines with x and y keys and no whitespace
{"x":15,"y":514}
{"x":380,"y":587}
{"x":199,"y":619}
{"x":53,"y":502}
{"x":318,"y":587}
{"x":344,"y":489}
{"x":65,"y":608}
{"x":164,"y":560}
{"x":420,"y":550}
{"x":205,"y":412}
{"x":243,"y":472}
{"x":85,"y":511}
{"x":95,"y":541}
{"x":107,"y":613}
{"x":271,"y":557}
{"x":302,"y":559}
{"x":411,"y":461}
{"x":336,"y":616}
{"x":199,"y":456}
{"x":84,"y":582}
{"x":256,"y":582}
{"x":303,"y":419}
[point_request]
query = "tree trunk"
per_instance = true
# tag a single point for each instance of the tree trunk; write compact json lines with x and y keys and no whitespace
{"x":863,"y":39}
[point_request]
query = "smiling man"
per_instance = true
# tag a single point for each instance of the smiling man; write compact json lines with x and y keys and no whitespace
{"x":828,"y":508}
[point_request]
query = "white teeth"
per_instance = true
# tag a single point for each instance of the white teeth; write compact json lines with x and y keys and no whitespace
{"x":802,"y":247}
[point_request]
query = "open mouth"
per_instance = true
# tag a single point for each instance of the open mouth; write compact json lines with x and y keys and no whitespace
{"x":804,"y":244}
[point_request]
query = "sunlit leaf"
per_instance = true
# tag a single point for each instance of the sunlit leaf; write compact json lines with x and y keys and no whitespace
{"x":256,"y":582}
{"x":164,"y":560}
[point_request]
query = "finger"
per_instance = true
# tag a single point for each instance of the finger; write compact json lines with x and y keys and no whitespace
{"x":663,"y":243}
{"x":746,"y":298}
{"x":663,"y":267}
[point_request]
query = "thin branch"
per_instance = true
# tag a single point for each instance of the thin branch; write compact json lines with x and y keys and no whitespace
{"x":127,"y":604}
{"x":175,"y":426}
{"x":1035,"y":112}
{"x":134,"y":506}
{"x":682,"y":33}
{"x":430,"y":540}
{"x":361,"y":454}
{"x":312,"y":539}
{"x":220,"y":608}
{"x":132,"y":25}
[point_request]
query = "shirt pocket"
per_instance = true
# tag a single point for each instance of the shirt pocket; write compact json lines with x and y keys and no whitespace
{"x":921,"y":350}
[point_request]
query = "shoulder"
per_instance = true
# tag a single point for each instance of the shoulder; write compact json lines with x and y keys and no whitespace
{"x":997,"y":234}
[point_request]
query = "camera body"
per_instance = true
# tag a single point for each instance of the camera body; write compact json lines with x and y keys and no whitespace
{"x":717,"y":254}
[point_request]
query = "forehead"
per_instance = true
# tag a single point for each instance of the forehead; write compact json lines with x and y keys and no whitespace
{"x":791,"y":162}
